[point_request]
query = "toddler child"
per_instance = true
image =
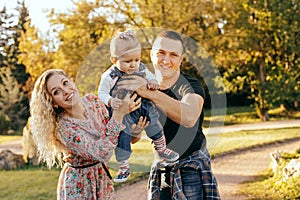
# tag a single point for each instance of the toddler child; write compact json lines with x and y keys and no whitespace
{"x":125,"y":50}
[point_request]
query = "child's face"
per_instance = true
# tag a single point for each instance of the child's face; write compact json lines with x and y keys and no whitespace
{"x":129,"y":62}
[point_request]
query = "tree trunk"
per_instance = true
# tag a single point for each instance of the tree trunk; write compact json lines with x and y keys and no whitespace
{"x":263,"y":106}
{"x":262,"y":112}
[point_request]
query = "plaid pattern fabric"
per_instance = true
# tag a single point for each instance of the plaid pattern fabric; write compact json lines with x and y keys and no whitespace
{"x":199,"y":160}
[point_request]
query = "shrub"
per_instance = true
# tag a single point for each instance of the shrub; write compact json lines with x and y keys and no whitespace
{"x":4,"y":123}
{"x":274,"y":186}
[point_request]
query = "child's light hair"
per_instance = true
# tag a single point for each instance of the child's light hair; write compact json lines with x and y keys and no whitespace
{"x":44,"y":121}
{"x":124,"y":42}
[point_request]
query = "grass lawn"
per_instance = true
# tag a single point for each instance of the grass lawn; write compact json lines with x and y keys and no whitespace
{"x":244,"y":115}
{"x":28,"y":183}
{"x":271,"y":185}
{"x":227,"y":142}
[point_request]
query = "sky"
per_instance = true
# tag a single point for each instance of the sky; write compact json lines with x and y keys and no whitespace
{"x":37,"y":10}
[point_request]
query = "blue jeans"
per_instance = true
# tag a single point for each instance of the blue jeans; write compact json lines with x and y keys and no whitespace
{"x":153,"y":131}
{"x":191,"y":185}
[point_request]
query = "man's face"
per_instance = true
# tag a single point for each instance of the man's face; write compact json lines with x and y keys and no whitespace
{"x":166,"y":56}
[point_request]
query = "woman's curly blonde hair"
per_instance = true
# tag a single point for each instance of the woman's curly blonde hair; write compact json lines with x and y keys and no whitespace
{"x":44,"y":120}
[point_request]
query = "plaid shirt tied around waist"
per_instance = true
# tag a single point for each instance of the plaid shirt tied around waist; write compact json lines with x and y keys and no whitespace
{"x":200,"y":161}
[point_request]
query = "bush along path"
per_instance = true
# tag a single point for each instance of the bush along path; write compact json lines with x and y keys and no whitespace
{"x":236,"y":168}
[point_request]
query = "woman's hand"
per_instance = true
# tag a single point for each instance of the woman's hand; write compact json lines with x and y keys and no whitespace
{"x":115,"y":103}
{"x":128,"y":105}
{"x":136,"y":129}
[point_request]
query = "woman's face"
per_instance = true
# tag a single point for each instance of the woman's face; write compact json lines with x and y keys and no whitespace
{"x":63,"y":91}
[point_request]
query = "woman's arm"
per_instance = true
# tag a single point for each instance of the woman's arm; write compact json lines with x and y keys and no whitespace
{"x":82,"y":143}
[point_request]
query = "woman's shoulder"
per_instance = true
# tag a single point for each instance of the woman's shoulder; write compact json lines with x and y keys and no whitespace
{"x":92,"y":100}
{"x":90,"y":97}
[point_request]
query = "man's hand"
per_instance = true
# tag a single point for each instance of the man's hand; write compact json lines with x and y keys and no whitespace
{"x":136,"y":83}
{"x":153,"y":85}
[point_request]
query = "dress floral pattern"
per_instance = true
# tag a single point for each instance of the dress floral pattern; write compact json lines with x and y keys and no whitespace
{"x":89,"y":141}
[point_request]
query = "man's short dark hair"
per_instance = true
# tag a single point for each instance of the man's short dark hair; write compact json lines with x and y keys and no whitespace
{"x":171,"y":35}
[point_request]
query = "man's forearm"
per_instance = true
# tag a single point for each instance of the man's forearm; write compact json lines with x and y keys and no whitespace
{"x":180,"y":112}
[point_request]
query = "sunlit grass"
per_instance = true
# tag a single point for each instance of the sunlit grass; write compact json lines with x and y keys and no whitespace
{"x":245,"y":115}
{"x":227,"y":142}
{"x":272,"y":186}
{"x":8,"y":138}
{"x":28,"y":183}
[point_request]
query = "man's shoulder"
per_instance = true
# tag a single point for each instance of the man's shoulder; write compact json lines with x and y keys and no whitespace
{"x":194,"y":83}
{"x":189,"y":78}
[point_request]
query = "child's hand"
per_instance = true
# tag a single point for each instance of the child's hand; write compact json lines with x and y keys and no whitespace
{"x":115,"y":103}
{"x":153,"y":85}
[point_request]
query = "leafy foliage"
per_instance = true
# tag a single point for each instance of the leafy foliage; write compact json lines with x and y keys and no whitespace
{"x":13,"y":75}
{"x":251,"y":44}
{"x":267,"y":57}
{"x":11,"y":98}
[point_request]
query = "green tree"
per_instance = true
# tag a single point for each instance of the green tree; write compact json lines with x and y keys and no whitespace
{"x":6,"y":26}
{"x":10,"y":99}
{"x":10,"y":33}
{"x":267,"y":58}
{"x":36,"y":54}
{"x":18,"y":69}
{"x":79,"y":31}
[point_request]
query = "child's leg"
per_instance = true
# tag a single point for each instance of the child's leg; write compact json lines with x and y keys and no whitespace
{"x":123,"y":152}
{"x":155,"y":132}
{"x":163,"y":152}
{"x":123,"y":149}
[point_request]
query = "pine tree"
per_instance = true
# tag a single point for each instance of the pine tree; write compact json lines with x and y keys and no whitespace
{"x":18,"y":69}
{"x":10,"y":98}
{"x":16,"y":108}
{"x":6,"y":24}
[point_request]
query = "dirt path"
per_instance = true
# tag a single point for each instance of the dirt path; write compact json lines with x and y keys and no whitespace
{"x":230,"y":171}
{"x":15,"y":146}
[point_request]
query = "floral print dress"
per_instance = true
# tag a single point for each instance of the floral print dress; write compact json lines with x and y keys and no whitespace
{"x":89,"y":141}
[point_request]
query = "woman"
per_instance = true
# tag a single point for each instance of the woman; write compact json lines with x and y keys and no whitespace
{"x":77,"y":133}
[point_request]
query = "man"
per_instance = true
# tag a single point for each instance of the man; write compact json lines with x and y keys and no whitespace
{"x":180,"y":102}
